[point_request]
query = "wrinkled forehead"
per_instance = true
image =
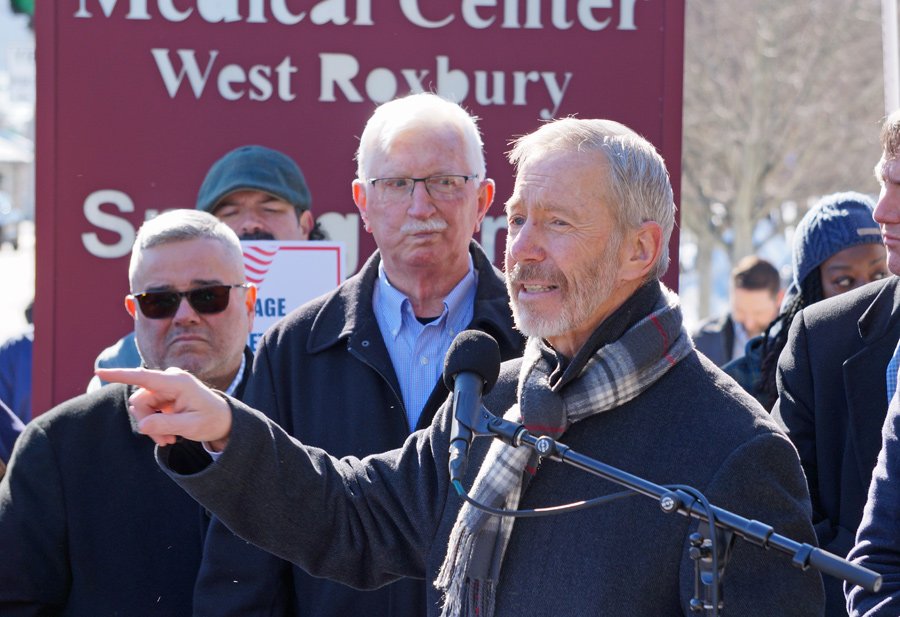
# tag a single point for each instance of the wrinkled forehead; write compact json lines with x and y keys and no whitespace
{"x":430,"y":137}
{"x":564,"y":173}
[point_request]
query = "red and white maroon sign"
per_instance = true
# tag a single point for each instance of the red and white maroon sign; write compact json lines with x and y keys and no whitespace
{"x":136,"y":98}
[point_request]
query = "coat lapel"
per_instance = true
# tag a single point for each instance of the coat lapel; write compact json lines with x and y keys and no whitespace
{"x":864,"y":378}
{"x":348,"y":314}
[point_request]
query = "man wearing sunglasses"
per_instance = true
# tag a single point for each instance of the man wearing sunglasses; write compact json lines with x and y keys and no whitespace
{"x":261,"y":194}
{"x":88,"y":525}
{"x":356,"y":371}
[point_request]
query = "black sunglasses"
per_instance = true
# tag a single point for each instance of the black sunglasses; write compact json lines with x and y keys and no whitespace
{"x":205,"y":300}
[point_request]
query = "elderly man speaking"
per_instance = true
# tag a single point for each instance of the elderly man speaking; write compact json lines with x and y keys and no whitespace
{"x":608,"y":368}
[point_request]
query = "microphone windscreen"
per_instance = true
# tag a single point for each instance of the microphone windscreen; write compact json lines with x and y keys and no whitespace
{"x":476,"y":352}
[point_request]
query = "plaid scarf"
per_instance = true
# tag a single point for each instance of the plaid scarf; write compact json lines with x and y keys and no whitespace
{"x":615,"y":374}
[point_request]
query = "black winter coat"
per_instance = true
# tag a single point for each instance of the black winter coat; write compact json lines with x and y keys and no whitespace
{"x":89,"y":526}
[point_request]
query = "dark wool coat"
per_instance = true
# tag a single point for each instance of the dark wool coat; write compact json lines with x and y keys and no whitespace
{"x":368,"y":522}
{"x":714,"y":338}
{"x":325,"y":375}
{"x":832,"y":403}
{"x":877,"y":545}
{"x":89,"y":526}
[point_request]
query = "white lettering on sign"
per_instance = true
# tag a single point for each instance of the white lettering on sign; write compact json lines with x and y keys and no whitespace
{"x":137,"y":9}
{"x":338,"y":226}
{"x":233,"y":81}
{"x":341,"y":72}
{"x":228,"y":11}
{"x":481,"y":14}
{"x":341,"y":75}
{"x":108,"y":222}
{"x":592,"y":15}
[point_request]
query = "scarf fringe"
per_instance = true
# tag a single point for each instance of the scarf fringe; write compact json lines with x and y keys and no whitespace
{"x":452,"y":576}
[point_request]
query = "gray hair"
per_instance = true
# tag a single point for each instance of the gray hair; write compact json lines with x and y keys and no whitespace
{"x":182,"y":225}
{"x":638,"y":181}
{"x":413,"y":112}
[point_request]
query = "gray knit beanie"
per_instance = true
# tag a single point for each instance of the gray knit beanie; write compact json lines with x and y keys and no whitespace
{"x":837,"y":222}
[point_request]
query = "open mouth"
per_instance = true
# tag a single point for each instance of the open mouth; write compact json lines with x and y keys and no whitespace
{"x":538,"y":288}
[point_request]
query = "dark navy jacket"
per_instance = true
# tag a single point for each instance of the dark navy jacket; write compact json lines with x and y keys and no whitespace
{"x":877,"y":546}
{"x":714,"y":338}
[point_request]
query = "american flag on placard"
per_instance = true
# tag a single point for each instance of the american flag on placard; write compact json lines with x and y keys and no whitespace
{"x":257,"y":260}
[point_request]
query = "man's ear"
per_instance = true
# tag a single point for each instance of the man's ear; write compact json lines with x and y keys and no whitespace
{"x":485,"y":199}
{"x":359,"y":198}
{"x":250,"y":301}
{"x":130,"y":306}
{"x":641,"y":252}
{"x":306,"y":223}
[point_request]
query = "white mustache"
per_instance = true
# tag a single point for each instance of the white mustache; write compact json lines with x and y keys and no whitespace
{"x":426,"y":226}
{"x":525,"y":273}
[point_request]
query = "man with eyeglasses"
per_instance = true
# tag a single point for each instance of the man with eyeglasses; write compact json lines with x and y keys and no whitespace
{"x":88,"y":525}
{"x":356,"y":371}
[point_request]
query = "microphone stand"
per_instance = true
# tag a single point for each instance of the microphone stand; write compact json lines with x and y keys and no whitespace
{"x":682,"y":500}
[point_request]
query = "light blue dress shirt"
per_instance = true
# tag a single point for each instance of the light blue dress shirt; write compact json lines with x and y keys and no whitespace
{"x":891,"y":374}
{"x":417,"y":350}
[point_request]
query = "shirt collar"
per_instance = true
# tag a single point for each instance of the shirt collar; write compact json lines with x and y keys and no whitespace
{"x":237,"y":378}
{"x":393,"y":303}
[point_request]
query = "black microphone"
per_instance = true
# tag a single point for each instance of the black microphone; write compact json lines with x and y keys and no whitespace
{"x":471,"y":368}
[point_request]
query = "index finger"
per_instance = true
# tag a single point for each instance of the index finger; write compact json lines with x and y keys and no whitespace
{"x":163,"y":386}
{"x":148,"y":379}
